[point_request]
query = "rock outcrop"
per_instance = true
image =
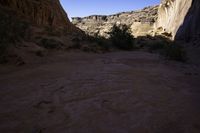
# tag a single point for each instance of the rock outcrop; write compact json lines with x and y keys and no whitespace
{"x":171,"y":15}
{"x":180,"y":18}
{"x":35,"y":27}
{"x":141,"y":22}
{"x":190,"y":29}
{"x":40,"y":12}
{"x":176,"y":19}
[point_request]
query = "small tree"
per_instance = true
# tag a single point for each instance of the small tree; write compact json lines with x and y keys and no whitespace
{"x":121,"y":37}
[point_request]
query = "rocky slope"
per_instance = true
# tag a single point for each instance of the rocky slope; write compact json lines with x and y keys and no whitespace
{"x":101,"y":25}
{"x":33,"y":27}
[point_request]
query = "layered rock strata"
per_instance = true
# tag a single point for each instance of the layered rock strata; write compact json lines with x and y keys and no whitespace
{"x":141,"y":22}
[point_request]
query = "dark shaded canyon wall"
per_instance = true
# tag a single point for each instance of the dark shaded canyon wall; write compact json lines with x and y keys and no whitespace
{"x":40,"y":12}
{"x":190,"y":29}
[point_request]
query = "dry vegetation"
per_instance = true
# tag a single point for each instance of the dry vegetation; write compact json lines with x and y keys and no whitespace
{"x":121,"y":38}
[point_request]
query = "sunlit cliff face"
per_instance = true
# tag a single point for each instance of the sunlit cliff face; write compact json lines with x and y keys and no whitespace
{"x":177,"y":18}
{"x":180,"y":18}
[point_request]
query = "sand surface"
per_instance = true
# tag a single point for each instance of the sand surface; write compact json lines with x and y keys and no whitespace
{"x":119,"y":92}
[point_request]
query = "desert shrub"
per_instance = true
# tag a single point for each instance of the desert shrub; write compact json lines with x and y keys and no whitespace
{"x":12,"y":29}
{"x":101,"y":42}
{"x":121,"y":37}
{"x":50,"y":43}
{"x":154,"y":45}
{"x":174,"y":51}
{"x":76,"y":43}
{"x":169,"y":49}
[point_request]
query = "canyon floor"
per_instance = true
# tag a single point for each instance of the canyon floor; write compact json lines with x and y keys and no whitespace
{"x":118,"y":92}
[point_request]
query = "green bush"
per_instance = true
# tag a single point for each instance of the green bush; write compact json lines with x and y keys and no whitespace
{"x":121,"y":37}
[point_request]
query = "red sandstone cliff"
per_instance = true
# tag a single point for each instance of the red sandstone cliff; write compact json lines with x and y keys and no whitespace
{"x":41,"y":12}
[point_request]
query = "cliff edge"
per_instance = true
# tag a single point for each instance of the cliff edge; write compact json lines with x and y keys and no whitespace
{"x":40,"y":12}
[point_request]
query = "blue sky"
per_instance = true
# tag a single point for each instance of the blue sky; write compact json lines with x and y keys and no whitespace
{"x":81,"y":8}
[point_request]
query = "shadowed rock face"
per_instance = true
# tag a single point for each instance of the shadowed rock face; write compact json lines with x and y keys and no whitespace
{"x":176,"y":19}
{"x":35,"y":26}
{"x":41,"y":12}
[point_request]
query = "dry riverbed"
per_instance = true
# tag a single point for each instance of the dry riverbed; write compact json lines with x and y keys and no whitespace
{"x":118,"y":92}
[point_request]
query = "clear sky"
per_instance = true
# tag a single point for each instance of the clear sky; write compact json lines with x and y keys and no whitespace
{"x":82,"y":8}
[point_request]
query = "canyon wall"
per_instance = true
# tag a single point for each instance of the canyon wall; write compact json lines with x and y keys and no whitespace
{"x":171,"y":15}
{"x":34,"y":26}
{"x":176,"y":19}
{"x":141,"y":22}
{"x":180,"y":18}
{"x":40,"y":12}
{"x":190,"y":29}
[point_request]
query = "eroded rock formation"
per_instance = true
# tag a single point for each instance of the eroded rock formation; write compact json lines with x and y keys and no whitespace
{"x":41,"y":12}
{"x":171,"y":15}
{"x":190,"y":29}
{"x":176,"y":19}
{"x":141,"y":22}
{"x":180,"y":18}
